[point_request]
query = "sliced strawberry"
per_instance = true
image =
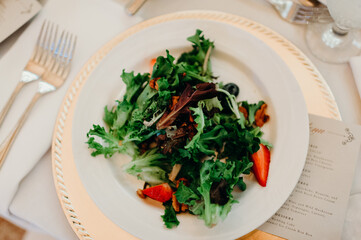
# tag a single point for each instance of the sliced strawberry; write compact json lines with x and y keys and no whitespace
{"x":161,"y":193}
{"x":261,"y":160}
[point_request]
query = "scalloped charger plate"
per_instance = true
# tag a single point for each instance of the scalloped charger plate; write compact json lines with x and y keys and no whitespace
{"x":100,"y":200}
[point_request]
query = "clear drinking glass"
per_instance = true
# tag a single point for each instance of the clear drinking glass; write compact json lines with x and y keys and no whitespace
{"x":337,"y":42}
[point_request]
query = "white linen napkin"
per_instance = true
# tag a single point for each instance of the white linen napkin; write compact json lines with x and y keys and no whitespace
{"x":355,"y":64}
{"x":43,"y":209}
{"x":94,"y":22}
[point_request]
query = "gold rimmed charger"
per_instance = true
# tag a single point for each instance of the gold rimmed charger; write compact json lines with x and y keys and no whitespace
{"x":83,"y":214}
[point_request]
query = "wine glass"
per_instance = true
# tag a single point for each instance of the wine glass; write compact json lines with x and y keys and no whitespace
{"x":340,"y":40}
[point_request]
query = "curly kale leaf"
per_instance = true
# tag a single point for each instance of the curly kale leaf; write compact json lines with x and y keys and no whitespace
{"x":186,"y":195}
{"x":196,"y":58}
{"x":212,"y":175}
{"x":169,"y":218}
{"x":110,"y":144}
{"x":239,"y":142}
{"x":134,"y":85}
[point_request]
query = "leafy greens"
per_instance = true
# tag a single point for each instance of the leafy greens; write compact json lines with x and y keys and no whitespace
{"x":174,"y":116}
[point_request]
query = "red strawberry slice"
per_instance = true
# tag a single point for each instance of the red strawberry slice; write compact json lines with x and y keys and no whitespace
{"x":261,"y":160}
{"x":161,"y":193}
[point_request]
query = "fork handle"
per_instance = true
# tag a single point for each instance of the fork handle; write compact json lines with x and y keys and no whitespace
{"x":10,"y":101}
{"x":134,"y":5}
{"x":7,"y":143}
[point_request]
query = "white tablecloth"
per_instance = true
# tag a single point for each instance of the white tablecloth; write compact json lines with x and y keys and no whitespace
{"x":32,"y":202}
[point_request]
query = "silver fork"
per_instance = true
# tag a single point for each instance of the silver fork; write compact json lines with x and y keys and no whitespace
{"x":35,"y":67}
{"x":57,"y":70}
{"x":296,"y":12}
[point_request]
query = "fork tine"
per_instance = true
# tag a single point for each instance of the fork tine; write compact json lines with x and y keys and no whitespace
{"x":42,"y":44}
{"x":51,"y":61}
{"x":64,"y":44}
{"x":314,"y":16}
{"x":72,"y":50}
{"x":56,"y":52}
{"x":51,"y":47}
{"x":47,"y":42}
{"x":65,"y":55}
{"x":318,"y":19}
{"x":37,"y":44}
{"x":313,"y":10}
{"x":69,"y":56}
{"x":323,"y":18}
{"x":60,"y":56}
{"x":53,"y":41}
{"x":41,"y":40}
{"x":303,"y":12}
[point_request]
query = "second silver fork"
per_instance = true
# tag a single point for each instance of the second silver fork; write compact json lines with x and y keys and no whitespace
{"x":56,"y":72}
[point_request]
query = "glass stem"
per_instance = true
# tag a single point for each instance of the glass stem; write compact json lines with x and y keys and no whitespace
{"x":340,"y":30}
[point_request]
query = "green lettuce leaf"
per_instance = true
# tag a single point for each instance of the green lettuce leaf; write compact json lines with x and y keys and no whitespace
{"x":134,"y":84}
{"x":110,"y":144}
{"x":169,"y":218}
{"x":186,"y":195}
{"x":212,"y":103}
{"x":197,"y":56}
{"x":151,"y":167}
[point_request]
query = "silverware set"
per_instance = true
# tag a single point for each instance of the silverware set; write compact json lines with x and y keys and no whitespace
{"x":302,"y":11}
{"x":49,"y":64}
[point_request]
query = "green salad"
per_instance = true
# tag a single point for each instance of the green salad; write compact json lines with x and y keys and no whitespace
{"x":190,"y":141}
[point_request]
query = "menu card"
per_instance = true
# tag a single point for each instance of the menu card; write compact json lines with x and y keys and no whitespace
{"x":316,"y":208}
{"x":14,"y":13}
